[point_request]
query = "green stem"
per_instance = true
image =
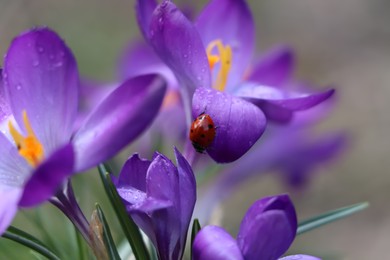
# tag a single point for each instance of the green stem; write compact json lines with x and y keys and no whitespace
{"x":29,"y":241}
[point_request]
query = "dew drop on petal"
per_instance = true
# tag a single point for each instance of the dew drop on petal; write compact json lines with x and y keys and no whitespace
{"x":35,"y":63}
{"x":58,"y":64}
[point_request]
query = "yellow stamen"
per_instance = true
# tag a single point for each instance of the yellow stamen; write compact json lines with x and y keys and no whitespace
{"x":29,"y":147}
{"x":213,"y":59}
{"x":224,"y":57}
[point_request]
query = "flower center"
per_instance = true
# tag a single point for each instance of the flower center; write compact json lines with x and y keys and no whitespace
{"x":29,"y":147}
{"x":171,"y":98}
{"x":224,"y":56}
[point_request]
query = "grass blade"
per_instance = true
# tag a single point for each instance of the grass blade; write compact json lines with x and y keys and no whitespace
{"x":130,"y":229}
{"x":29,"y":241}
{"x":329,"y":217}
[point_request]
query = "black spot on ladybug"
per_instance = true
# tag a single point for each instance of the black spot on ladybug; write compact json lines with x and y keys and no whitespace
{"x":192,"y":131}
{"x":202,"y":135}
{"x":210,"y":126}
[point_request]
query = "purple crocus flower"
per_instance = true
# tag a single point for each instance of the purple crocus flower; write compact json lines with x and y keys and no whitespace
{"x":266,"y":232}
{"x":218,"y":75}
{"x":160,"y":197}
{"x":39,"y":100}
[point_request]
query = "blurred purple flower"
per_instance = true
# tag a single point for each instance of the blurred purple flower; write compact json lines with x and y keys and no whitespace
{"x":138,"y":58}
{"x":266,"y":232}
{"x":289,"y":151}
{"x":39,"y":95}
{"x":238,"y":103}
{"x":160,"y":197}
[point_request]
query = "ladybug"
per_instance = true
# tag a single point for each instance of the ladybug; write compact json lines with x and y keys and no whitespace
{"x":202,"y":132}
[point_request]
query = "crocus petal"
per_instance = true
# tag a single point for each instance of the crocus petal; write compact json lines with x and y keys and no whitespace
{"x":299,"y":257}
{"x":236,"y":30}
{"x":177,"y":42}
{"x":274,"y":68}
{"x":8,"y":205}
{"x":166,"y":182}
{"x":238,"y":123}
{"x":214,"y":243}
{"x":133,"y":173}
{"x":14,"y":170}
{"x":277,"y":103}
{"x":144,"y":10}
{"x":162,"y":183}
{"x":187,"y":186}
{"x":5,"y":110}
{"x":162,"y":173}
{"x":140,"y":59}
{"x":47,"y":178}
{"x":259,"y":94}
{"x":268,"y":228}
{"x":131,"y":186}
{"x":41,"y":78}
{"x":118,"y":120}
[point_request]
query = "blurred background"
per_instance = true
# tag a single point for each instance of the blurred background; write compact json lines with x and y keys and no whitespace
{"x":341,"y":43}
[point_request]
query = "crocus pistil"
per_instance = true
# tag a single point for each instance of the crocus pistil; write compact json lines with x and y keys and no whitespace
{"x":224,"y":56}
{"x":29,"y":147}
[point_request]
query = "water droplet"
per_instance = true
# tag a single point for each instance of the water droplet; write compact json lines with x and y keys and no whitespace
{"x":62,"y":54}
{"x":51,"y":56}
{"x":151,"y":32}
{"x":58,"y":64}
{"x":185,"y":56}
{"x":164,"y":4}
{"x":160,"y":20}
{"x":40,"y":49}
{"x":35,"y":63}
{"x":18,"y":87}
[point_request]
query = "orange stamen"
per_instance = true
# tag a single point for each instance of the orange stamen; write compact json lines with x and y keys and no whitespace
{"x":29,"y":147}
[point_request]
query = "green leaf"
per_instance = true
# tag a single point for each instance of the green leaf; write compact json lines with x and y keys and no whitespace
{"x":29,"y":241}
{"x":195,"y":229}
{"x":130,"y":229}
{"x":108,"y":241}
{"x":80,"y":245}
{"x":329,"y":217}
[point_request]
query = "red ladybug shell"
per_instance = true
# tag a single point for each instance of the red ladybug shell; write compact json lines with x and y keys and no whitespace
{"x":202,"y":132}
